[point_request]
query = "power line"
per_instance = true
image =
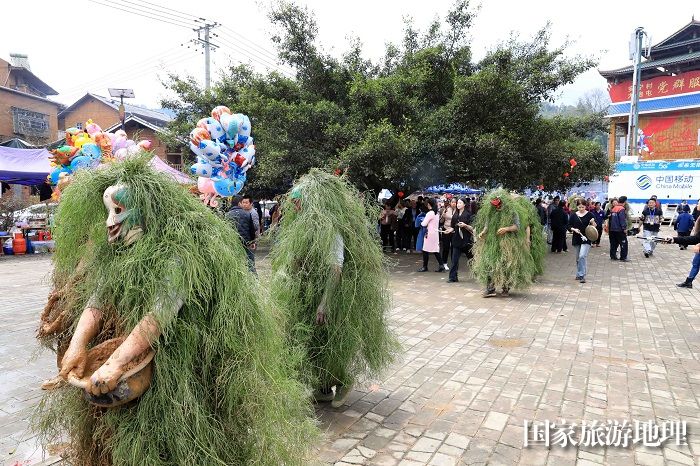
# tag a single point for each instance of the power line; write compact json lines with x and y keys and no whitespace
{"x":158,"y":16}
{"x":185,"y":19}
{"x":168,"y":52}
{"x":182,"y":13}
{"x":137,"y":73}
{"x":266,"y":58}
{"x":238,"y":36}
{"x":144,"y":15}
{"x":231,"y":34}
{"x":254,"y":57}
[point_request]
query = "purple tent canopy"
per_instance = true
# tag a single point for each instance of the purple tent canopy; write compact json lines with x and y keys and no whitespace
{"x":24,"y":166}
{"x":160,"y":166}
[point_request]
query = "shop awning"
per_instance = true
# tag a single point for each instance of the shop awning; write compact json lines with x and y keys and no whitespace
{"x":24,"y":166}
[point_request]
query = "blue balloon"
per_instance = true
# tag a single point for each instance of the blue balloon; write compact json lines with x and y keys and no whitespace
{"x":226,"y":187}
{"x":80,"y":161}
{"x":92,"y":150}
{"x":56,"y":174}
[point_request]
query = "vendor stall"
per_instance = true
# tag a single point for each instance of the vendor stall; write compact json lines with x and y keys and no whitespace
{"x":24,"y":166}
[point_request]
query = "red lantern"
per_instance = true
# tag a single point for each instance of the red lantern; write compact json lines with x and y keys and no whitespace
{"x":400,"y":194}
{"x":541,"y":187}
{"x":573,"y":163}
{"x":566,"y":175}
{"x":337,"y":172}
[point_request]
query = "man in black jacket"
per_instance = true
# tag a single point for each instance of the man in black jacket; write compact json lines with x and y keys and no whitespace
{"x":243,"y":221}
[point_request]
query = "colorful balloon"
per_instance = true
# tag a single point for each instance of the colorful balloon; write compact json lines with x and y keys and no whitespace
{"x":224,"y":152}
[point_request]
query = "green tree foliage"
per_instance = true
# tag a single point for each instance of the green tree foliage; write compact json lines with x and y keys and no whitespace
{"x":426,"y":113}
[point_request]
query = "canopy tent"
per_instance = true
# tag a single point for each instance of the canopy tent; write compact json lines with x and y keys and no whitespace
{"x":17,"y":143}
{"x":160,"y":166}
{"x":454,"y":188}
{"x":24,"y":166}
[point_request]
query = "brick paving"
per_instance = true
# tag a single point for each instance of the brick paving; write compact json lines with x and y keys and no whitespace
{"x":623,"y":346}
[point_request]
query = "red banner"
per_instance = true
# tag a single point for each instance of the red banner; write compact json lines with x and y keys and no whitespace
{"x":662,"y":86}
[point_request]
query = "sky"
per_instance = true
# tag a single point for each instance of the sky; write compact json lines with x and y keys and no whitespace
{"x":85,"y":46}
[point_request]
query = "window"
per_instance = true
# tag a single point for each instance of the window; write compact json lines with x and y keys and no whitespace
{"x":28,"y":123}
{"x":79,"y":125}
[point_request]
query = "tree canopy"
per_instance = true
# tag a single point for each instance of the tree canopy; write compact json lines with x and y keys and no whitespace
{"x":427,"y":113}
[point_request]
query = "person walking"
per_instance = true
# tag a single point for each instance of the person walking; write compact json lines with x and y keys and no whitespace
{"x":447,"y":230}
{"x":386,"y":220}
{"x":696,"y":211}
{"x":552,"y":205}
{"x":684,"y":224}
{"x":559,"y":221}
{"x":416,"y":210}
{"x":400,"y":226}
{"x":431,"y":241}
{"x":244,"y":222}
{"x":617,"y":230}
{"x":692,"y":240}
{"x":651,"y":224}
{"x":599,"y":216}
{"x":578,"y":221}
{"x":463,"y":237}
{"x":542,"y":212}
{"x":407,"y":225}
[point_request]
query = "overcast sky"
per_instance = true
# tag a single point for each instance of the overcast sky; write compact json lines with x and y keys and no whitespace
{"x":81,"y":45}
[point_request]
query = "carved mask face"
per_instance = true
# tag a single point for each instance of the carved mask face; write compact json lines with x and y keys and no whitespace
{"x":121,"y":221}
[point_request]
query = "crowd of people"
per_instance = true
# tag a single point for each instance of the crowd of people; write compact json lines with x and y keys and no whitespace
{"x":438,"y":226}
{"x":441,"y":226}
{"x":615,"y":217}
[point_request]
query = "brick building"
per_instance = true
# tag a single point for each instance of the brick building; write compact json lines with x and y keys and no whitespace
{"x":669,"y":100}
{"x":25,"y":110}
{"x":139,"y":122}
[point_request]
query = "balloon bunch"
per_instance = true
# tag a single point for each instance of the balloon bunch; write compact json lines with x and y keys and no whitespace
{"x":225,"y":152}
{"x":87,"y":148}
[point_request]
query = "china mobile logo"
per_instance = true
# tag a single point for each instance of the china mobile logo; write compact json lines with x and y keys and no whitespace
{"x":644,"y":182}
{"x":620,"y":434}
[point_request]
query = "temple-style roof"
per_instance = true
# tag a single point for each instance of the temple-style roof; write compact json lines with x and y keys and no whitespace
{"x":678,"y":53}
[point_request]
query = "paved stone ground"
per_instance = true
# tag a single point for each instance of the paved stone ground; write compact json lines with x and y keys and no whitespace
{"x":623,"y":346}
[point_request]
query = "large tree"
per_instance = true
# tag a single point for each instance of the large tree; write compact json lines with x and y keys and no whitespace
{"x":425,"y":114}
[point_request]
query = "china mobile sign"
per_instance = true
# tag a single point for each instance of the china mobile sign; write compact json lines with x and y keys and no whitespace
{"x":670,"y":181}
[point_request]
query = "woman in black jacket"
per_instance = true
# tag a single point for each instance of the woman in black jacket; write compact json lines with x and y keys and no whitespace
{"x":578,"y":221}
{"x":462,"y":238}
{"x":559,"y":222}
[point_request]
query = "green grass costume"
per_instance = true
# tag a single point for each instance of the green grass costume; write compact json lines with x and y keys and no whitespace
{"x":538,"y":241}
{"x":504,"y":259}
{"x":223,"y":388}
{"x":355,"y":339}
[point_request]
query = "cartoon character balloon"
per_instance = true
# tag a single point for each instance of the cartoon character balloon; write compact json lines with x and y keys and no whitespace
{"x":225,"y":152}
{"x":87,"y":149}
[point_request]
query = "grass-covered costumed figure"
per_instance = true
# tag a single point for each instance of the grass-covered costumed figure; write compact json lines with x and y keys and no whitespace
{"x":330,"y":276}
{"x":502,"y":259}
{"x":534,"y":233}
{"x":167,"y":279}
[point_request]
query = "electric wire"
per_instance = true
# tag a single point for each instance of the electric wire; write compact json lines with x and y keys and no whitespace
{"x":143,"y":15}
{"x":137,"y":73}
{"x":114,"y":74}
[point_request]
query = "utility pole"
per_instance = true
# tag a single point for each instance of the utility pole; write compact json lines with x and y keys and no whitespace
{"x":208,"y":46}
{"x":636,"y":55}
